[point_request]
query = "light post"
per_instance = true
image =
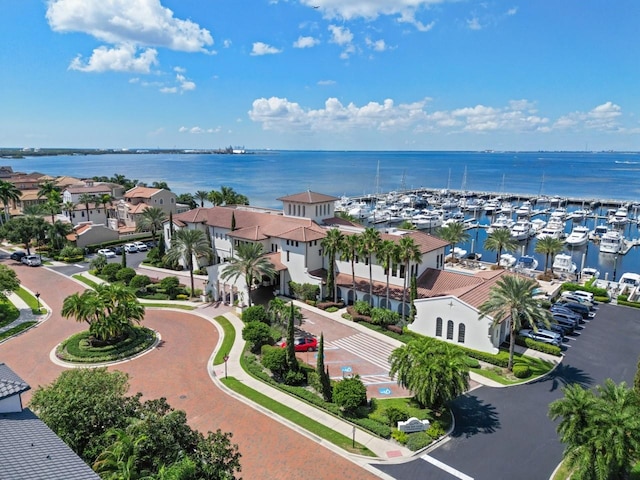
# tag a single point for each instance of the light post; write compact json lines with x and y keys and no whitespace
{"x":225,"y":358}
{"x":38,"y":300}
{"x":615,"y":266}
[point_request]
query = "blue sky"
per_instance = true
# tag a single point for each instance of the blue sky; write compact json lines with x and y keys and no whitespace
{"x":321,"y":74}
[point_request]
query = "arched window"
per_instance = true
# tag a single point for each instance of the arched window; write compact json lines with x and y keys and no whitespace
{"x":449,"y":329}
{"x":438,"y":327}
{"x":461,"y":331}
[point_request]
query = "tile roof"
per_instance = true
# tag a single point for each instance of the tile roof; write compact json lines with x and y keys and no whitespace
{"x":141,"y":192}
{"x":89,"y":189}
{"x":10,"y":383}
{"x":249,"y":233}
{"x":308,"y":197}
{"x":275,"y":259}
{"x":30,"y":450}
{"x":135,"y":209}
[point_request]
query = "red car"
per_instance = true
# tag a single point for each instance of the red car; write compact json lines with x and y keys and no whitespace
{"x":304,"y":344}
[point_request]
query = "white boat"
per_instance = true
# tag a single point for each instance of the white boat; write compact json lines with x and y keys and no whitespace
{"x":538,"y":224}
{"x":579,"y":236}
{"x":588,"y":273}
{"x":553,"y":229}
{"x":559,"y":212}
{"x":458,"y":252}
{"x":359,"y":210}
{"x":492,"y":205}
{"x":524,"y":210}
{"x":507,"y":260}
{"x":502,"y":221}
{"x":527,"y":262}
{"x":427,"y":220}
{"x":580,"y":214}
{"x":620,"y":217}
{"x":563,"y":263}
{"x":598,"y":232}
{"x":612,"y":242}
{"x":522,"y":230}
{"x":629,"y":280}
{"x":506,"y":207}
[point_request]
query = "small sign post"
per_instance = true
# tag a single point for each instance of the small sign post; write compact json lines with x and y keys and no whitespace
{"x":226,"y":357}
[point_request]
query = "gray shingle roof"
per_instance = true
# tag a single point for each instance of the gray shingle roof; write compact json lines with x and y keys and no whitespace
{"x":10,"y":383}
{"x":29,"y":450}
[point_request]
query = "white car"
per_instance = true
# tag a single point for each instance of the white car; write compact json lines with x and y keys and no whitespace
{"x":141,"y":246}
{"x":32,"y":260}
{"x":544,"y":336}
{"x":130,"y":248}
{"x":106,"y":253}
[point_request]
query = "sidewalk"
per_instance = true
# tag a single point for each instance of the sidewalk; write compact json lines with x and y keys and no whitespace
{"x":26,"y":313}
{"x":384,"y":449}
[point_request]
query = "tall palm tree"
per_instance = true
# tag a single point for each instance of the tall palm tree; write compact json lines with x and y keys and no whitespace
{"x":251,"y":263}
{"x":58,"y":232}
{"x":388,"y":255}
{"x":349,"y":249}
{"x":453,"y":233}
{"x":69,"y":207}
{"x":8,"y":193}
{"x":331,"y":245}
{"x":215,"y":197}
{"x":53,"y":204}
{"x":436,"y":372}
{"x":369,"y":243}
{"x":498,"y":241}
{"x":86,"y":199}
{"x":104,"y":200}
{"x":549,"y":247}
{"x":408,"y":253}
{"x":511,"y":300}
{"x":202,"y":196}
{"x":151,"y":220}
{"x":47,"y":188}
{"x":185,"y":244}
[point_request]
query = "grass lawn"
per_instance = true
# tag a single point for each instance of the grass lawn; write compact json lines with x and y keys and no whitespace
{"x":537,"y":367}
{"x":296,"y":417}
{"x":85,"y":280}
{"x":30,"y":300}
{"x":407,"y":404}
{"x":15,"y":330}
{"x":227,"y":341}
{"x":167,"y":305}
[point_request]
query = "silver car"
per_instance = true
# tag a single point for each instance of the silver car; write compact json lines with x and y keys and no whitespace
{"x":32,"y":260}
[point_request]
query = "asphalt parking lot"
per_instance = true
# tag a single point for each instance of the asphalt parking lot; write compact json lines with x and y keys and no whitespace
{"x":505,"y":432}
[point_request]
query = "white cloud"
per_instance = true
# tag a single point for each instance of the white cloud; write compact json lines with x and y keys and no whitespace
{"x":199,"y":130}
{"x":260,"y":48}
{"x":183,"y":83}
{"x":602,"y":117}
{"x":179,"y":69}
{"x":226,"y":43}
{"x":326,"y":82}
{"x":169,"y":90}
{"x":370,"y":10}
{"x":340,"y":35}
{"x":377,"y":45}
{"x":474,"y":24}
{"x":123,"y":58}
{"x":306,"y":42}
{"x":138,"y":22}
{"x":512,"y":11}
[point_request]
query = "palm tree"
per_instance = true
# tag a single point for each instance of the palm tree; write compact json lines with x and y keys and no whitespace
{"x":58,"y":232}
{"x":349,"y":250}
{"x":118,"y":461}
{"x":104,"y":200}
{"x":369,"y":243}
{"x":436,"y":372}
{"x":185,"y":244}
{"x":69,"y":208}
{"x":8,"y":193}
{"x":511,"y":300}
{"x":388,"y":255}
{"x":84,"y":307}
{"x":202,"y":196}
{"x":151,"y":220}
{"x":53,"y":204}
{"x":548,"y":246}
{"x":498,"y":241}
{"x":250,"y":262}
{"x":215,"y":197}
{"x":331,"y":245}
{"x":408,"y":252}
{"x":86,"y":199}
{"x":47,"y":188}
{"x":276,"y":310}
{"x":453,"y":233}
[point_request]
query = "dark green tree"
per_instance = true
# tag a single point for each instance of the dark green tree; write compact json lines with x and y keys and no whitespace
{"x":292,"y":360}
{"x":636,"y":379}
{"x":349,"y":248}
{"x":9,"y":281}
{"x":453,"y":233}
{"x":251,"y":263}
{"x":331,"y":245}
{"x":233,"y":221}
{"x":408,"y":253}
{"x":187,"y":244}
{"x":24,"y":229}
{"x":350,"y":394}
{"x":323,"y":372}
{"x":257,"y":334}
{"x":500,"y":240}
{"x":123,"y":260}
{"x":413,"y":295}
{"x":370,"y":241}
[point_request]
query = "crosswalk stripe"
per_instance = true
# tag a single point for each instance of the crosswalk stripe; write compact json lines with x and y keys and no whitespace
{"x":366,"y":348}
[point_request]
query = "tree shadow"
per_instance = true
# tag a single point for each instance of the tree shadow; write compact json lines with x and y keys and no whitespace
{"x":473,"y":416}
{"x":564,"y":375}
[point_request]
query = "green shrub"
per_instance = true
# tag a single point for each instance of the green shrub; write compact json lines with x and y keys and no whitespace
{"x":274,"y":359}
{"x":110,"y":272}
{"x":418,"y":440}
{"x":395,"y":415}
{"x":521,"y":371}
{"x":435,"y":430}
{"x":255,"y":313}
{"x":332,"y":309}
{"x":384,"y":316}
{"x":400,"y":437}
{"x":71,"y":251}
{"x":257,"y":334}
{"x":125,"y":275}
{"x":293,"y":377}
{"x":362,"y":308}
{"x":139,"y":281}
{"x":8,"y":313}
{"x":170,"y":285}
{"x":350,"y":393}
{"x":539,"y":346}
{"x":153,"y":296}
{"x":304,"y":291}
{"x":472,"y":362}
{"x":78,"y":349}
{"x":182,"y":296}
{"x":373,"y":426}
{"x":572,"y":287}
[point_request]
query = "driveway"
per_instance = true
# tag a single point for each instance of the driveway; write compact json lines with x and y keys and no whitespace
{"x":506,"y":433}
{"x":178,"y":371}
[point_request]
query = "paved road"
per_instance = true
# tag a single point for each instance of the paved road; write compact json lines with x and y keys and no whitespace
{"x":505,"y":433}
{"x":177,"y":370}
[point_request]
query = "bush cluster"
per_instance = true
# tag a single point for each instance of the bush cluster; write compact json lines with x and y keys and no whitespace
{"x":418,"y":440}
{"x":77,"y":348}
{"x":521,"y":371}
{"x":597,"y":292}
{"x":304,"y":291}
{"x":539,"y":346}
{"x":326,"y":305}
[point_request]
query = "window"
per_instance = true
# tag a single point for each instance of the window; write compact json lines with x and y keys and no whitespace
{"x":449,"y":329}
{"x":287,"y":255}
{"x":461,"y":332}
{"x":438,"y":327}
{"x":173,"y":200}
{"x":161,"y":201}
{"x":296,"y":243}
{"x":401,"y":271}
{"x":320,"y":252}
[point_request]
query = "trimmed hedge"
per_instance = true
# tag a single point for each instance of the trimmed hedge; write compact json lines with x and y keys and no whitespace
{"x":572,"y":287}
{"x":539,"y":346}
{"x":623,"y":300}
{"x":521,"y":371}
{"x":418,"y":440}
{"x":76,"y":348}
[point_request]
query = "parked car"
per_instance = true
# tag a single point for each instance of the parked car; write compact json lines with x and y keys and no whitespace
{"x":130,"y":248}
{"x":117,"y":250}
{"x":544,"y":336}
{"x":579,"y":293}
{"x":578,"y":308}
{"x":303,"y":344}
{"x":141,"y":246}
{"x":555,"y":327}
{"x":559,"y":309}
{"x":18,"y":256}
{"x":106,"y":253}
{"x":577,"y":299}
{"x":31,"y":260}
{"x":565,"y":320}
{"x":151,"y":244}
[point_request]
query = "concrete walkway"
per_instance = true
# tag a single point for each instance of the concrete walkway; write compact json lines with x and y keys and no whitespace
{"x":26,"y":313}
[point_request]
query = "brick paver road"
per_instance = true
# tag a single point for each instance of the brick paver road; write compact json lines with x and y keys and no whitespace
{"x":177,"y":370}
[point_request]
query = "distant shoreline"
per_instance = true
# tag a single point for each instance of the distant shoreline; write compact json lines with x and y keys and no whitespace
{"x":18,"y":153}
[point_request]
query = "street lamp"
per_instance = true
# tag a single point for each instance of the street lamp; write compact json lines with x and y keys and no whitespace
{"x":38,"y":299}
{"x":225,"y":358}
{"x":615,"y":267}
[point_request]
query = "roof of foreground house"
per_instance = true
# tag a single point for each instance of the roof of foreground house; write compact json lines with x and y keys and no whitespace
{"x":308,"y":197}
{"x":141,"y":192}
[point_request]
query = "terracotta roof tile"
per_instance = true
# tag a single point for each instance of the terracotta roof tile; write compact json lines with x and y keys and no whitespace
{"x":274,"y":258}
{"x":250,"y":233}
{"x":308,"y":197}
{"x":141,"y":192}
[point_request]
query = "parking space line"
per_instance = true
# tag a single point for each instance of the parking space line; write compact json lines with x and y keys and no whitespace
{"x":446,"y":468}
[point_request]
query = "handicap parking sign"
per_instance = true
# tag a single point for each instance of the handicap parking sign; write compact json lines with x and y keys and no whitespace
{"x":346,"y":369}
{"x":384,"y":391}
